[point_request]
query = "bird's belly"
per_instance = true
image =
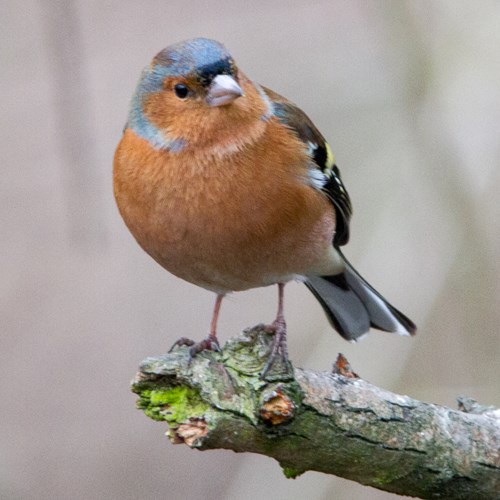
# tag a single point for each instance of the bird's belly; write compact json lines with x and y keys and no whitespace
{"x":221,"y":234}
{"x":226,"y":256}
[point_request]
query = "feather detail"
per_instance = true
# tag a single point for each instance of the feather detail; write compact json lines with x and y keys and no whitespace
{"x":353,"y":306}
{"x":323,"y":173}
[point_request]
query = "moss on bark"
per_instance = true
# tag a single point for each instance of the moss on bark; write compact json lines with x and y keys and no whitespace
{"x":335,"y":423}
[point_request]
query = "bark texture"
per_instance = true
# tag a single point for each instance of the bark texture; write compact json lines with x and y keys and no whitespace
{"x":334,"y":423}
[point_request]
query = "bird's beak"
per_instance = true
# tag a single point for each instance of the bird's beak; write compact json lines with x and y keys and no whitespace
{"x":223,"y":90}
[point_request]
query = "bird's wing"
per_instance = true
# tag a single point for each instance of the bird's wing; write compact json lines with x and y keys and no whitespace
{"x":324,"y":170}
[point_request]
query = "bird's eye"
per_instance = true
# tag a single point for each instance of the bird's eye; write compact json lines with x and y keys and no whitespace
{"x":181,"y":91}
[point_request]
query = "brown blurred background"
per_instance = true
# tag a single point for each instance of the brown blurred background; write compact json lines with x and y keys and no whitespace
{"x":407,"y":93}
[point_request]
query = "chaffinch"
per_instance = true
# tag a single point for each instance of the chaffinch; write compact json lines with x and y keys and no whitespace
{"x":230,"y":186}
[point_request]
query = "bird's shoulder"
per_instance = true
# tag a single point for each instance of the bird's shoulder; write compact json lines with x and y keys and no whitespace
{"x":324,"y":171}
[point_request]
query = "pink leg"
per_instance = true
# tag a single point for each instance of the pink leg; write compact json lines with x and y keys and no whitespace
{"x":279,"y":349}
{"x":209,"y":343}
{"x":280,"y":316}
{"x":215,"y":317}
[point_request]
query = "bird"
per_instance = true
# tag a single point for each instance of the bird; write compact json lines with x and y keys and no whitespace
{"x":230,"y":186}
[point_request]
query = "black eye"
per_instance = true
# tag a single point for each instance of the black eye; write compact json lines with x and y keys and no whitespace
{"x":181,"y":91}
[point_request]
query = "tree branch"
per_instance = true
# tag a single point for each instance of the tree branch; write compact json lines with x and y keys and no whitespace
{"x":335,"y":422}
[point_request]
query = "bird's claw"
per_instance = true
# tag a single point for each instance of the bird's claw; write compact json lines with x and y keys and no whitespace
{"x":278,"y":357}
{"x":209,"y":343}
{"x":181,"y":342}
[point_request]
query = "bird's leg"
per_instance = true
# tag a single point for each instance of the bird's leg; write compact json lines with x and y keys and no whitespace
{"x":279,"y":349}
{"x":209,"y":343}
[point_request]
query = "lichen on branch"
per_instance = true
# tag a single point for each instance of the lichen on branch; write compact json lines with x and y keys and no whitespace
{"x":334,"y":423}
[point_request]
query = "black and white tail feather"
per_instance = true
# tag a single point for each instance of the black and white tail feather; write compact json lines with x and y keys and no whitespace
{"x":353,"y":306}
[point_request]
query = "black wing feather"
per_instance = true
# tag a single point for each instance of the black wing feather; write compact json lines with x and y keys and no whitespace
{"x":294,"y":118}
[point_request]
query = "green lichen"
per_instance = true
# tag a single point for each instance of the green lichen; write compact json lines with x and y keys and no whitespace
{"x":291,"y":473}
{"x":174,"y":405}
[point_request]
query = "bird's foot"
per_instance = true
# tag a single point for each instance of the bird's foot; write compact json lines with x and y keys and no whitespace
{"x":277,"y":363}
{"x":181,"y":342}
{"x":209,"y":343}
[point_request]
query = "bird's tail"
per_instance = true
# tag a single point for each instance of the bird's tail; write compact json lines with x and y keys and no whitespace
{"x":353,"y":306}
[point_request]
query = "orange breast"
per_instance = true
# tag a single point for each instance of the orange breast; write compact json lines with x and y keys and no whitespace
{"x":225,"y":221}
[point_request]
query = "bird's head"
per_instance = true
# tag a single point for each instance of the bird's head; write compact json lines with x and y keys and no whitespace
{"x":191,"y":94}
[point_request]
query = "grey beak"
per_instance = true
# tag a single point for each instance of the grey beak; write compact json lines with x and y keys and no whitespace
{"x":223,"y":90}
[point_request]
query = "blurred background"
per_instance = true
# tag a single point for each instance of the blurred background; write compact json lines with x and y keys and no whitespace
{"x":408,"y":95}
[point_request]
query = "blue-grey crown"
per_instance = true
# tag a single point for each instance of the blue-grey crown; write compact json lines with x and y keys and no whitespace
{"x":199,"y":55}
